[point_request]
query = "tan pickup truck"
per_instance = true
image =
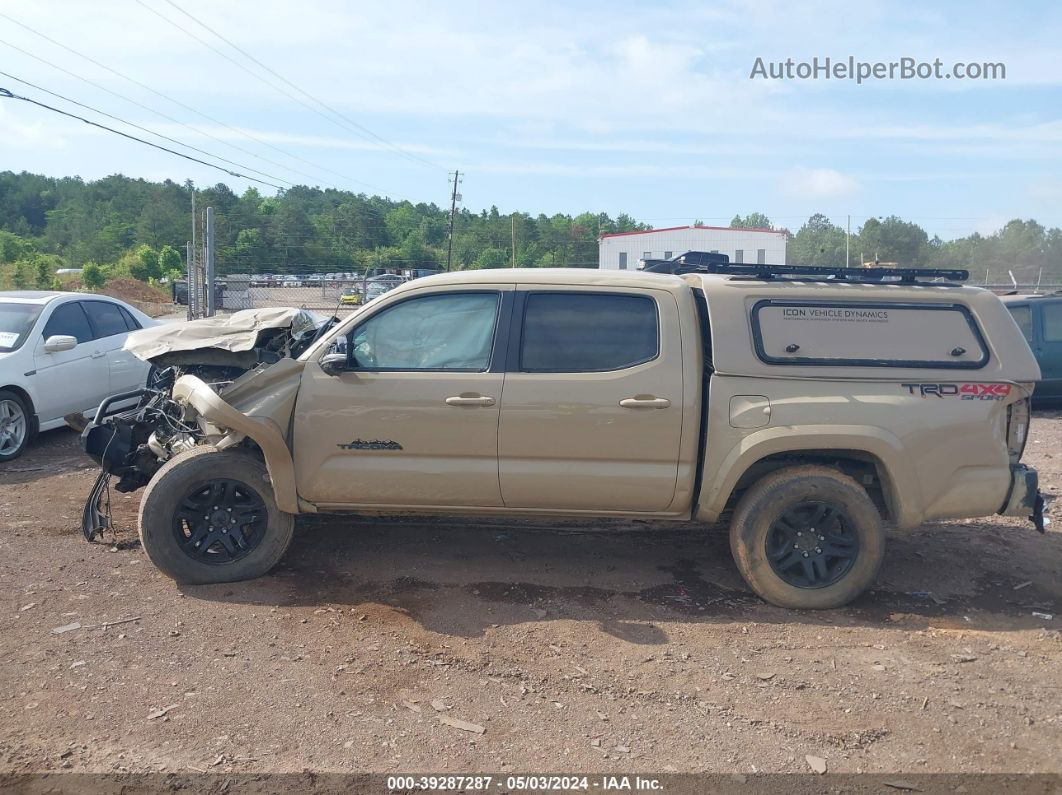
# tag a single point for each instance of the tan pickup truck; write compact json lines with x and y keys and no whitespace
{"x":808,"y":408}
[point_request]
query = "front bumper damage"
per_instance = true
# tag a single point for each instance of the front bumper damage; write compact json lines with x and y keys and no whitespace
{"x":254,"y":351}
{"x":1025,"y":499}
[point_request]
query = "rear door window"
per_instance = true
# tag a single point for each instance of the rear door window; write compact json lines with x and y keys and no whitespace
{"x":69,"y":320}
{"x":587,"y":332}
{"x":106,"y":318}
{"x":858,"y":334}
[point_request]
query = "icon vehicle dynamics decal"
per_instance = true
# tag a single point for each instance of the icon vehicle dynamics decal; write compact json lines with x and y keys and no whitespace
{"x":375,"y":444}
{"x":968,"y":391}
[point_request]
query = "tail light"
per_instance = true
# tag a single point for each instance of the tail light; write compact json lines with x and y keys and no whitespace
{"x":1017,"y":428}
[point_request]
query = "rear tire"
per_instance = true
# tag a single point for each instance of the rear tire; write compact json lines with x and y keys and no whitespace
{"x":807,"y":537}
{"x":209,"y":516}
{"x":16,"y":425}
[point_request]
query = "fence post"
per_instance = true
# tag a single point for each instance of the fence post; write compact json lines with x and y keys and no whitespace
{"x":211,"y":299}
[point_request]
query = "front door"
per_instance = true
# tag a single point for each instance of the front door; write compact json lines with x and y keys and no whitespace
{"x":414,"y":420}
{"x":592,"y":413}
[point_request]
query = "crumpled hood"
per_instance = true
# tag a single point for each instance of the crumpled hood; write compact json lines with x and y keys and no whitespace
{"x":236,"y":332}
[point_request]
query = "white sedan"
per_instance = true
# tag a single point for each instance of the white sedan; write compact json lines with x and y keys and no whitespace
{"x":61,"y":353}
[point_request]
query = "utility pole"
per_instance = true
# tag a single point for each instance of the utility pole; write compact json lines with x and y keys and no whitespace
{"x":847,"y":237}
{"x":210,"y":299}
{"x":512,"y":218}
{"x":454,"y":196}
{"x":189,"y":290}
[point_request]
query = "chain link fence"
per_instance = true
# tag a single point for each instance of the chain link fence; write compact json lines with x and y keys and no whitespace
{"x":237,"y":291}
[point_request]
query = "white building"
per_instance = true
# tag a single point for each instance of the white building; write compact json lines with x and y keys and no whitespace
{"x":623,"y":250}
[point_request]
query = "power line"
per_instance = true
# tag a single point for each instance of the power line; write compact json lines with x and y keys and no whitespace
{"x":255,"y":75}
{"x":5,"y":94}
{"x":187,"y":107}
{"x":357,"y":128}
{"x":124,"y":98}
{"x":139,"y":127}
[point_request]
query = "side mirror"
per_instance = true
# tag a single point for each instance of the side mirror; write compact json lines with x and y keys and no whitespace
{"x":60,"y":342}
{"x":334,"y":363}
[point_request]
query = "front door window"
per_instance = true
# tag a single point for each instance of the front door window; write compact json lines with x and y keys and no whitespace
{"x":438,"y":332}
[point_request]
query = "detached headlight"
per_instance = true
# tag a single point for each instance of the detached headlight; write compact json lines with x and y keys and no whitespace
{"x":1017,"y":429}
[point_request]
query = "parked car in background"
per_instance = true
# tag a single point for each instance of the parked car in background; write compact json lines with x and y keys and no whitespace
{"x":1040,"y":319}
{"x":375,"y":286}
{"x":61,"y":353}
{"x":179,"y":290}
{"x":351,"y":297}
{"x":290,"y":281}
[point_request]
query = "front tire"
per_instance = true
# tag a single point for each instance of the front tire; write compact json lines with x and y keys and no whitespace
{"x":209,"y":516}
{"x":807,"y":537}
{"x":16,"y":425}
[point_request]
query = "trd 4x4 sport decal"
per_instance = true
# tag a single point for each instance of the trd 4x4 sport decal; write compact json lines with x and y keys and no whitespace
{"x":962,"y":391}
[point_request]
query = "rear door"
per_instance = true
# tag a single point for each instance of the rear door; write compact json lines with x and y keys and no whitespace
{"x":111,"y":325}
{"x":74,"y":380}
{"x":1049,"y":354}
{"x":591,"y":416}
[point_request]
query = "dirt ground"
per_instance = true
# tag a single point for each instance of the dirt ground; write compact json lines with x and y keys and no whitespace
{"x":638,"y":649}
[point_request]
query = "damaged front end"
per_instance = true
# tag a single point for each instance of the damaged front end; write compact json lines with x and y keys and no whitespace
{"x":135,"y":433}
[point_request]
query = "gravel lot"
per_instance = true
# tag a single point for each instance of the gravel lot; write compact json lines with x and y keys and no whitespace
{"x":571,"y":648}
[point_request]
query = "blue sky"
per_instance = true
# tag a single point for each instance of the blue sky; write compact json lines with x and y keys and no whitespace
{"x":644,"y":108}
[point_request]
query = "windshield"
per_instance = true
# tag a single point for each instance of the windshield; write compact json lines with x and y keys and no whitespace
{"x":16,"y":322}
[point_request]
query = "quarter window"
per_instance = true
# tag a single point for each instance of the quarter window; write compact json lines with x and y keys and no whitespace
{"x":1023,"y":317}
{"x":587,"y":332}
{"x":1052,"y":322}
{"x":106,"y":318}
{"x":69,"y":320}
{"x":130,"y":322}
{"x":436,"y":332}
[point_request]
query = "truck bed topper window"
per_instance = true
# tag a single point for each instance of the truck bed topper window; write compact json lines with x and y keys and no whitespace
{"x":865,"y":334}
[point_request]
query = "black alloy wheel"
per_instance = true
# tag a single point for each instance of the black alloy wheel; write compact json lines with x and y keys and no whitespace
{"x":812,"y":545}
{"x":220,"y":521}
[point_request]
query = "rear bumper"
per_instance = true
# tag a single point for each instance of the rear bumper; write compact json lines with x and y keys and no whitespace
{"x":1024,"y":497}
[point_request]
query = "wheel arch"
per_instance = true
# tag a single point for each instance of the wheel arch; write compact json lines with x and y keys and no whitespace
{"x":871,"y":457}
{"x":265,"y":433}
{"x":27,"y":398}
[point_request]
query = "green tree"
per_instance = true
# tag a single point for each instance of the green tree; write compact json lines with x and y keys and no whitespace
{"x":751,"y":221}
{"x":892,"y":240}
{"x":818,"y":242}
{"x":93,"y":275}
{"x":19,"y":276}
{"x":171,"y":264}
{"x":492,"y":258}
{"x":45,"y":266}
{"x":13,"y":247}
{"x":145,"y":264}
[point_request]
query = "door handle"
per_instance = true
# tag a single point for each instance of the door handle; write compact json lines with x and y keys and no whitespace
{"x":98,"y":354}
{"x":464,"y":400}
{"x":645,"y":403}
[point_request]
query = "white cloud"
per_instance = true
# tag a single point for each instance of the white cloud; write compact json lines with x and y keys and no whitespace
{"x":818,"y":183}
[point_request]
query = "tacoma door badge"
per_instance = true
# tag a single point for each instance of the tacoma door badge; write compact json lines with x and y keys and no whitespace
{"x":375,"y":444}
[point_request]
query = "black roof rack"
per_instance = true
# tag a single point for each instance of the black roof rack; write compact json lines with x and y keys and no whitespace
{"x":826,"y":273}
